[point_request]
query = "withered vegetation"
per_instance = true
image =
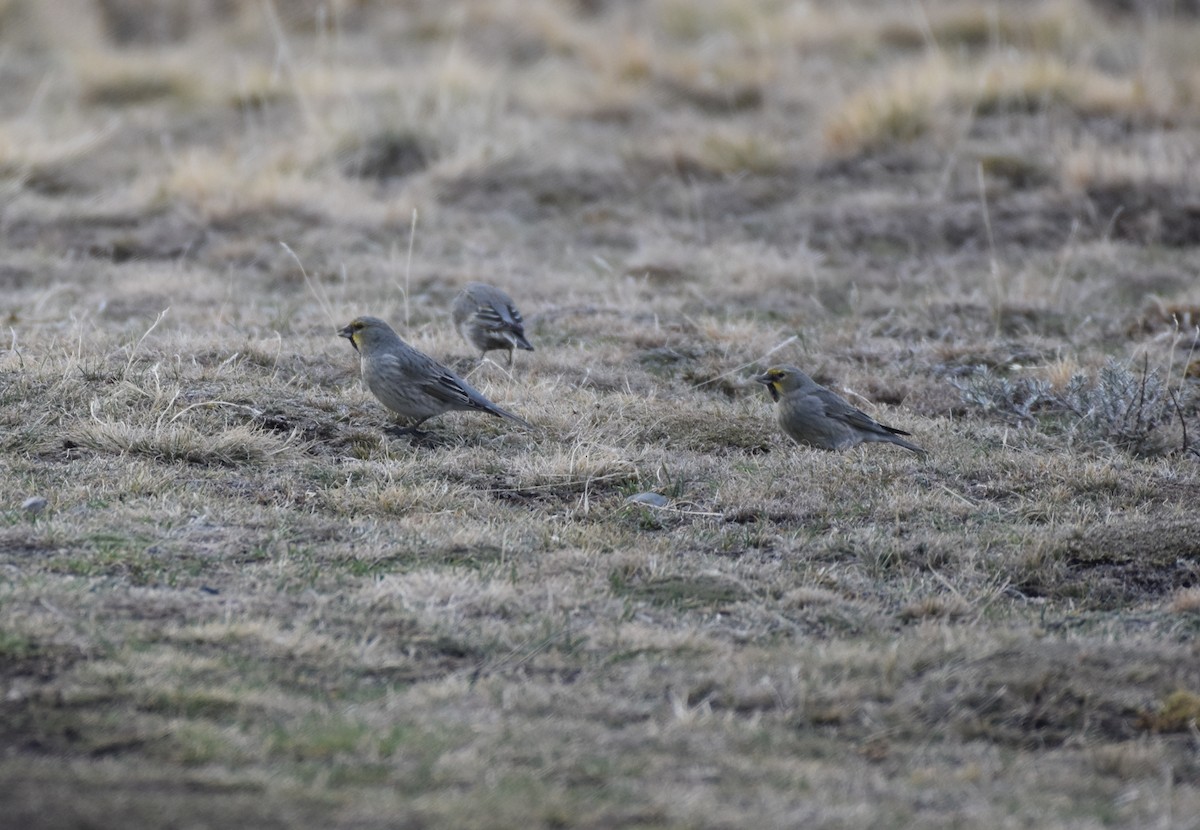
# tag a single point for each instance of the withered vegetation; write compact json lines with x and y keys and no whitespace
{"x":230,"y":597}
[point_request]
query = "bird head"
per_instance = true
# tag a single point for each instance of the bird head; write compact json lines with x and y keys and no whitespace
{"x":780,"y":380}
{"x":364,"y":332}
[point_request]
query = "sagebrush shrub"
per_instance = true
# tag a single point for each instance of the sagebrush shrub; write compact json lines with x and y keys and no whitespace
{"x":1113,"y":405}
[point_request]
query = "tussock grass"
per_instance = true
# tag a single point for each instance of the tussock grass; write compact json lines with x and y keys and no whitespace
{"x":1160,"y":162}
{"x":976,"y":26}
{"x":177,"y":443}
{"x":925,"y":98}
{"x":1031,"y":60}
{"x":228,"y":590}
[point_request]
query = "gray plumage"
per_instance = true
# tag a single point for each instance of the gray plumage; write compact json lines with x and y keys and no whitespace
{"x":814,"y":416}
{"x":488,"y":319}
{"x":410,"y":383}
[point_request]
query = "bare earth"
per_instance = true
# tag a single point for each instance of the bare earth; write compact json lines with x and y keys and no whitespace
{"x":229,"y":598}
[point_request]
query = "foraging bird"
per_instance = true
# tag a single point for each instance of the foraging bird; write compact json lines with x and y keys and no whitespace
{"x":814,"y":416}
{"x":488,"y":319}
{"x":410,"y":383}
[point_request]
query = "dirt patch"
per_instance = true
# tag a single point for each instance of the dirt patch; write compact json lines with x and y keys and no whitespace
{"x":315,"y":427}
{"x":27,"y":671}
{"x":710,"y":97}
{"x":13,"y":277}
{"x":388,"y":155}
{"x":687,"y":592}
{"x":1188,"y":8}
{"x":166,"y":235}
{"x":128,"y":23}
{"x":45,"y":796}
{"x":1132,"y":562}
{"x":1146,"y":214}
{"x":533,"y":192}
{"x":1044,"y":694}
{"x":924,"y":228}
{"x":18,"y":543}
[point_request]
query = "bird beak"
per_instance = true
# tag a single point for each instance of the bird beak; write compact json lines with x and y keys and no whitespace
{"x":771,"y":383}
{"x":349,"y":335}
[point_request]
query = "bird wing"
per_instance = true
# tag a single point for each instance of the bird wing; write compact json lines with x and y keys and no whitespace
{"x":390,"y":364}
{"x":449,"y":387}
{"x":840,"y":410}
{"x":514,"y":316}
{"x":444,"y":385}
{"x":425,"y":373}
{"x":499,"y":317}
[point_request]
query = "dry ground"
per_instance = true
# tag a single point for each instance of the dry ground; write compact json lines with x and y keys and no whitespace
{"x":244,"y":605}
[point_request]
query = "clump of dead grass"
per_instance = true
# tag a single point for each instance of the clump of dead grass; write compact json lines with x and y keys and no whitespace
{"x":1186,"y":601}
{"x":1163,"y":320}
{"x":745,"y":152}
{"x":938,"y":607}
{"x":931,"y":96}
{"x":126,"y":79}
{"x":1129,"y":760}
{"x":146,"y":413}
{"x":220,"y":185}
{"x":977,"y":26}
{"x":1178,"y":712}
{"x":693,"y":21}
{"x":722,"y":152}
{"x":898,"y":111}
{"x":28,"y":150}
{"x":1090,"y":164}
{"x":181,"y":442}
{"x":132,"y":89}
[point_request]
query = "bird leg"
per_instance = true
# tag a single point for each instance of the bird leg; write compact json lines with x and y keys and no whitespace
{"x":398,"y":431}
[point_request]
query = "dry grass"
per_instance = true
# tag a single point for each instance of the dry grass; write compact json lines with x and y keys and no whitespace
{"x":229,"y":597}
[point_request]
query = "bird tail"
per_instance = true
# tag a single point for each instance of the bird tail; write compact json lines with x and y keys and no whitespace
{"x":895,"y":439}
{"x":492,"y":409}
{"x":519,"y":340}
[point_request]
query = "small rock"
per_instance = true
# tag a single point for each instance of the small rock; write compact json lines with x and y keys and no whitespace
{"x":649,"y":499}
{"x":34,"y":505}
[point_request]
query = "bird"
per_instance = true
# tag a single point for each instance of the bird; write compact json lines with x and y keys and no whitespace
{"x":488,"y":319}
{"x":814,"y":416}
{"x":410,"y":383}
